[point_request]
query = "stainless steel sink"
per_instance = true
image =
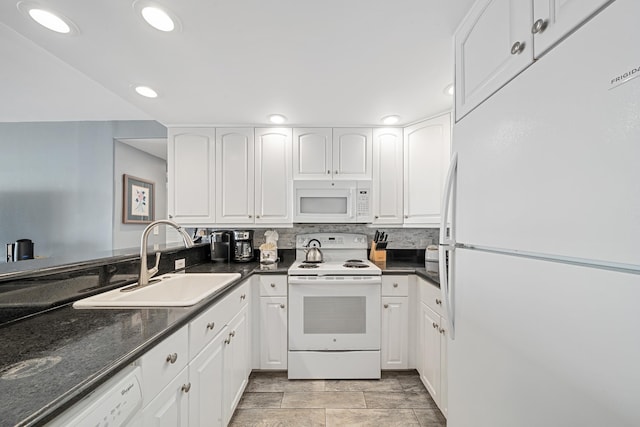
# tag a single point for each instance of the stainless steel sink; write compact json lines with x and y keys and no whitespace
{"x":171,"y":290}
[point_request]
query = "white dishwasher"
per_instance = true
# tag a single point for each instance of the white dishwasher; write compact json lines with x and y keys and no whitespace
{"x":115,"y":403}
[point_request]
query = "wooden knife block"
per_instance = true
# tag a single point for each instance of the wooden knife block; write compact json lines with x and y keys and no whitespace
{"x":377,"y":255}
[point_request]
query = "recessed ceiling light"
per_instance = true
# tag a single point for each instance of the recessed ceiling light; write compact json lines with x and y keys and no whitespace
{"x":157,"y":16}
{"x":277,"y":118}
{"x":391,"y":120}
{"x":146,"y":91}
{"x":48,"y":19}
{"x":449,"y":89}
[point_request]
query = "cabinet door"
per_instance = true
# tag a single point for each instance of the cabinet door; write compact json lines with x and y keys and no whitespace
{"x":486,"y":53}
{"x":273,"y":195}
{"x":387,"y":176}
{"x":427,"y":147}
{"x":236,"y":363}
{"x":191,"y":178}
{"x":234,"y":176}
{"x":352,"y":153}
{"x":312,"y":153}
{"x":395,"y":335}
{"x":557,"y":18}
{"x":206,"y":376}
{"x":171,"y":406}
{"x":273,"y":332}
{"x":443,"y":404}
{"x":429,"y":351}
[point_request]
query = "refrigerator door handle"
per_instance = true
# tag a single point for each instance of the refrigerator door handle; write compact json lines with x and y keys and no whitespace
{"x":448,"y":244}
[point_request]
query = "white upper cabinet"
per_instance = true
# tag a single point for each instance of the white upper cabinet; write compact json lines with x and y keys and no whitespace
{"x":191,"y":179}
{"x":325,"y":153}
{"x":352,"y":153}
{"x":427,"y":149}
{"x":492,"y":45}
{"x":554,"y":19}
{"x":387,"y":186}
{"x":499,"y":38}
{"x":273,"y":185}
{"x":234,"y":176}
{"x":312,"y":153}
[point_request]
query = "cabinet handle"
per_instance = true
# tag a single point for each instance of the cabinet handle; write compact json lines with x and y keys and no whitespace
{"x":281,"y":305}
{"x":406,"y":216}
{"x":232,"y":333}
{"x":376,"y":217}
{"x":186,"y":387}
{"x":441,"y":331}
{"x":273,"y":285}
{"x":386,"y":306}
{"x":258,"y":216}
{"x":211,"y":325}
{"x":171,"y":358}
{"x":438,"y":301}
{"x":249,"y":216}
{"x":243,"y":296}
{"x":517,"y":48}
{"x":336,"y":172}
{"x":395,"y":285}
{"x":435,"y":325}
{"x":329,"y":172}
{"x":170,"y":216}
{"x":539,"y":26}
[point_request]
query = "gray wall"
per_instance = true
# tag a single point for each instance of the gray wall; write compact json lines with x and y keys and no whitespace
{"x":131,"y":161}
{"x":57,"y":183}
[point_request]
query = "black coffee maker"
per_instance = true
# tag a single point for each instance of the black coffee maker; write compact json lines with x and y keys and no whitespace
{"x":20,"y":250}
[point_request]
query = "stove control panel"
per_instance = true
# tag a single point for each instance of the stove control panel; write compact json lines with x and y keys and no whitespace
{"x":332,"y":241}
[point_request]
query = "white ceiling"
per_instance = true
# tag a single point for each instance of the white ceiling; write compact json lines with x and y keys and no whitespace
{"x":320,"y":63}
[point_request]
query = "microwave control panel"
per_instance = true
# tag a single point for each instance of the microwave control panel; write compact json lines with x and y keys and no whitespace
{"x":363,"y":204}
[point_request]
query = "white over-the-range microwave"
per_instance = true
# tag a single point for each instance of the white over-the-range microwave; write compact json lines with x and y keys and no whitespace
{"x":332,"y":201}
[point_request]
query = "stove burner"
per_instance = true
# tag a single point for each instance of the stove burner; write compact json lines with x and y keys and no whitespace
{"x":355,"y":265}
{"x":350,"y":261}
{"x":308,"y":266}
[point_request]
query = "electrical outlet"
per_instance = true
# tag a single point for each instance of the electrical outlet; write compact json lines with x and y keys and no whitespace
{"x":180,"y":264}
{"x":156,"y":230}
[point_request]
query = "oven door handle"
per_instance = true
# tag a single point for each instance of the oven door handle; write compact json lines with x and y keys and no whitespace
{"x":334,"y":280}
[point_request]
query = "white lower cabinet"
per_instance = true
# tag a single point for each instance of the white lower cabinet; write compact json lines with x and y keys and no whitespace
{"x":171,"y":406}
{"x":431,"y":355}
{"x":394,"y":340}
{"x":273,"y":322}
{"x":197,"y":376}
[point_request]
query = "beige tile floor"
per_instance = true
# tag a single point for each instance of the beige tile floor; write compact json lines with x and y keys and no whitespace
{"x":398,"y":399}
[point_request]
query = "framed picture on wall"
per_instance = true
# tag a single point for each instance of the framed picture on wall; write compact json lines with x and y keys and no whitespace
{"x":138,"y":200}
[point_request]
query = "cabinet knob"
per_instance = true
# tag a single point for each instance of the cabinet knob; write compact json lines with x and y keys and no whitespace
{"x":336,"y":172}
{"x":171,"y":358}
{"x":328,"y":172}
{"x":438,"y":301}
{"x":517,"y":48}
{"x":186,"y":387}
{"x":250,"y":216}
{"x":243,"y":296}
{"x":539,"y":26}
{"x":211,"y":325}
{"x":273,"y":285}
{"x":281,"y":305}
{"x":170,"y":216}
{"x":376,"y":217}
{"x":395,"y":285}
{"x":435,"y":325}
{"x":386,"y":306}
{"x":441,"y":330}
{"x":406,"y":216}
{"x":258,"y":216}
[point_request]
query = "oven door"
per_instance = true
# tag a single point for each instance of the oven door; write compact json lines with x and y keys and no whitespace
{"x":334,"y":313}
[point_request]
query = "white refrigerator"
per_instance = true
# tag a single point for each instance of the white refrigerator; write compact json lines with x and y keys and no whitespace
{"x":543,"y":240}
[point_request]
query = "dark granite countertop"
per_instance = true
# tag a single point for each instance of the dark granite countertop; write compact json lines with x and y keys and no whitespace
{"x":51,"y":360}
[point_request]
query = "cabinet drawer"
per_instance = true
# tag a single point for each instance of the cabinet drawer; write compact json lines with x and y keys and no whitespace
{"x":395,"y":286}
{"x":272,"y":285}
{"x":163,"y":362}
{"x":431,"y":296}
{"x":207,"y":325}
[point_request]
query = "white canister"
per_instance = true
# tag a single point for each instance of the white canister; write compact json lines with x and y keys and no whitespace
{"x":431,"y":259}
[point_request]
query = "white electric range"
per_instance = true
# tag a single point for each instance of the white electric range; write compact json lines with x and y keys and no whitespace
{"x":334,"y":310}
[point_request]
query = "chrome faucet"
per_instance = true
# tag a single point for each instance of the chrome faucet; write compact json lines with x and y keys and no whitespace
{"x":145,"y":274}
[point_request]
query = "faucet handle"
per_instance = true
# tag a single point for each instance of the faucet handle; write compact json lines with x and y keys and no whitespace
{"x":154,"y":270}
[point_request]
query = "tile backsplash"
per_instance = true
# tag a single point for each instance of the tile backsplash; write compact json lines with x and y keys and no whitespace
{"x":399,"y":238}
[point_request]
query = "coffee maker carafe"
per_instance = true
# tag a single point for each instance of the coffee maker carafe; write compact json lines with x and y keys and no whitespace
{"x":242,"y":245}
